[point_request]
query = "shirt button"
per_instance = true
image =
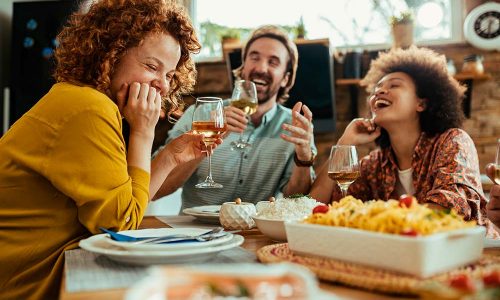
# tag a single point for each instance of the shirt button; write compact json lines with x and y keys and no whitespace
{"x":241,"y":181}
{"x":127,"y":219}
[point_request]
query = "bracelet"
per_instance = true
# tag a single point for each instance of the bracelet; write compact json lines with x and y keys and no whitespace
{"x":301,"y":163}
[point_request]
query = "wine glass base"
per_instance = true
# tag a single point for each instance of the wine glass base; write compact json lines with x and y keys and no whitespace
{"x":240,"y":145}
{"x":208,"y":185}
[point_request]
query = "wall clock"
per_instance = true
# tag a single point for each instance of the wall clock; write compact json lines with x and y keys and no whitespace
{"x":482,"y":26}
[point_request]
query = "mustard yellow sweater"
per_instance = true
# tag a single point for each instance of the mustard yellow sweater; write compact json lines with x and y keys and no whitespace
{"x":63,"y":174}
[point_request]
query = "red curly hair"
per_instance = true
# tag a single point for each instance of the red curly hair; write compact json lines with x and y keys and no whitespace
{"x":92,"y":43}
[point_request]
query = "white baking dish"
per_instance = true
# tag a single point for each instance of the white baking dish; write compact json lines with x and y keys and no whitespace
{"x":420,"y":256}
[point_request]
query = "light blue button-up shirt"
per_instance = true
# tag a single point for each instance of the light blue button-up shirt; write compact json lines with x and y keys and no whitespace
{"x":259,"y":172}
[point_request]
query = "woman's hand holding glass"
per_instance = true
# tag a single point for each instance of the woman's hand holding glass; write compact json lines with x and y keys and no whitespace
{"x":189,"y":146}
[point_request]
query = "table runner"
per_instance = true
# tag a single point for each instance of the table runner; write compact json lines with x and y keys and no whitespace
{"x":87,"y":271}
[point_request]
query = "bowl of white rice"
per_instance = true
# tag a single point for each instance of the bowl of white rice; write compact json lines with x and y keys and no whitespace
{"x":271,"y":216}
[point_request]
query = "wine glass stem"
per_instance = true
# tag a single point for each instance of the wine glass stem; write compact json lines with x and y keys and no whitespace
{"x":343,"y":189}
{"x":241,"y":134}
{"x":209,"y":154}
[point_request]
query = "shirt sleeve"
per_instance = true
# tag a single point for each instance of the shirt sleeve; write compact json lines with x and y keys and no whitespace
{"x":88,"y":163}
{"x":457,"y":181}
{"x":285,"y":177}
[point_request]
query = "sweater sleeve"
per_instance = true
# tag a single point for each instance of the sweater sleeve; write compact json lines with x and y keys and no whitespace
{"x":87,"y":162}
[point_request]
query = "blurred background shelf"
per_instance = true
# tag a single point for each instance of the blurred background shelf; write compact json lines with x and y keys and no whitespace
{"x":459,"y":76}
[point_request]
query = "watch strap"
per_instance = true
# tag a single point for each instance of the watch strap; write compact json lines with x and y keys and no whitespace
{"x":301,"y":163}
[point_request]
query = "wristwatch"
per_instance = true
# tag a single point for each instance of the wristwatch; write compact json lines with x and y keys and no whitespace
{"x":307,"y":163}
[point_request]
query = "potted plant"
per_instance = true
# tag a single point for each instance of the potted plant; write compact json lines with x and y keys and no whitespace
{"x":230,"y":39}
{"x":402,"y":29}
{"x":300,"y":30}
{"x":230,"y":36}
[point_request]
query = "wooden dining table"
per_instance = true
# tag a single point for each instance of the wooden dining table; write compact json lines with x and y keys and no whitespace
{"x":254,"y":240}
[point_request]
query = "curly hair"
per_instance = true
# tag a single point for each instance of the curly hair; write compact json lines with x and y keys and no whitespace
{"x":93,"y":42}
{"x":274,"y":32}
{"x":432,"y":82}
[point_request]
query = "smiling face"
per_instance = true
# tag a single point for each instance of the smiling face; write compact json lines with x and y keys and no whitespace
{"x":394,"y":100}
{"x":152,"y":62}
{"x":265,"y":65}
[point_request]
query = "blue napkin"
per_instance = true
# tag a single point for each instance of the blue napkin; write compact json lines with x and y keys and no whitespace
{"x":126,"y":238}
{"x":121,"y":237}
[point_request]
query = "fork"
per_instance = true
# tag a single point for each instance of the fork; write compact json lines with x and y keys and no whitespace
{"x":182,"y":237}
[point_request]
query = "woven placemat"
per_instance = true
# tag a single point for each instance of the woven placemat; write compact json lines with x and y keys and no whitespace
{"x":368,"y":277}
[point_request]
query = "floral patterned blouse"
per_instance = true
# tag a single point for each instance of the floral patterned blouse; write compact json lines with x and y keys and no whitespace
{"x":445,"y":172}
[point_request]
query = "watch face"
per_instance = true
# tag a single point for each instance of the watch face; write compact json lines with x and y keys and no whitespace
{"x":487,"y":25}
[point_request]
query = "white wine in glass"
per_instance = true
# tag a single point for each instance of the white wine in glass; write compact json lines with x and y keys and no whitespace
{"x":209,"y":120}
{"x":343,"y":167}
{"x":245,"y":98}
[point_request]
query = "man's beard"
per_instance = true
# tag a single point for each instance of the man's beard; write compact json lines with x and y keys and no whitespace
{"x":268,"y":94}
{"x":269,"y":91}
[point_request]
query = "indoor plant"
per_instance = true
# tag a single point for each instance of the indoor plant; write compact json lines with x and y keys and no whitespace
{"x":402,"y":29}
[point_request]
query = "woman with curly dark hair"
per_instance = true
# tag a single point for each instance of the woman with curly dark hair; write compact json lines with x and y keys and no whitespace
{"x":416,"y":114}
{"x":65,"y":170}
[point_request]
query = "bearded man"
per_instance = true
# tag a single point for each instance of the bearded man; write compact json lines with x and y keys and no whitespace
{"x":279,"y":162}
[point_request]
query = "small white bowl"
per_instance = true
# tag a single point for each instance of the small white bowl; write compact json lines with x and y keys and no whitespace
{"x":274,"y":229}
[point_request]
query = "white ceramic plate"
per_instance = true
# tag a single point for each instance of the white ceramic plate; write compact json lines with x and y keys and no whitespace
{"x":98,"y":244}
{"x":169,"y":246}
{"x":206,"y":213}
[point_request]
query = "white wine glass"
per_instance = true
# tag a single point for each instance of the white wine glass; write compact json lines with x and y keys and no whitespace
{"x":245,"y":98}
{"x":343,"y":166}
{"x":209,"y":120}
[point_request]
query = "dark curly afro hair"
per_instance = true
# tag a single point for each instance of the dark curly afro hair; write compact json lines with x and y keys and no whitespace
{"x":432,"y":82}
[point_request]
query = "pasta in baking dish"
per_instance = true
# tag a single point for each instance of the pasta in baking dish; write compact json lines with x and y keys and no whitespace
{"x":392,"y":216}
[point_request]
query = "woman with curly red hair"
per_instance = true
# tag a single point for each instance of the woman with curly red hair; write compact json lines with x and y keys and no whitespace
{"x":65,"y":170}
{"x":416,"y":114}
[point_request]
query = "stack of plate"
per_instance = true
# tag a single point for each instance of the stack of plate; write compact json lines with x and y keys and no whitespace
{"x":205,"y":214}
{"x":146,"y":254}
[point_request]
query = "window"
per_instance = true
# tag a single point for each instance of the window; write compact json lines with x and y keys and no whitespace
{"x":347,"y":23}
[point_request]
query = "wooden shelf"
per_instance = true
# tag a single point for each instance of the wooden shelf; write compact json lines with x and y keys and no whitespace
{"x":349,"y":81}
{"x":459,"y":76}
{"x":470,"y":76}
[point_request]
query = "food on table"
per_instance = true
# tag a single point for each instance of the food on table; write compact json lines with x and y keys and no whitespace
{"x":242,"y":281}
{"x":321,"y":209}
{"x":292,"y":208}
{"x":483,"y":285}
{"x":405,"y":217}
